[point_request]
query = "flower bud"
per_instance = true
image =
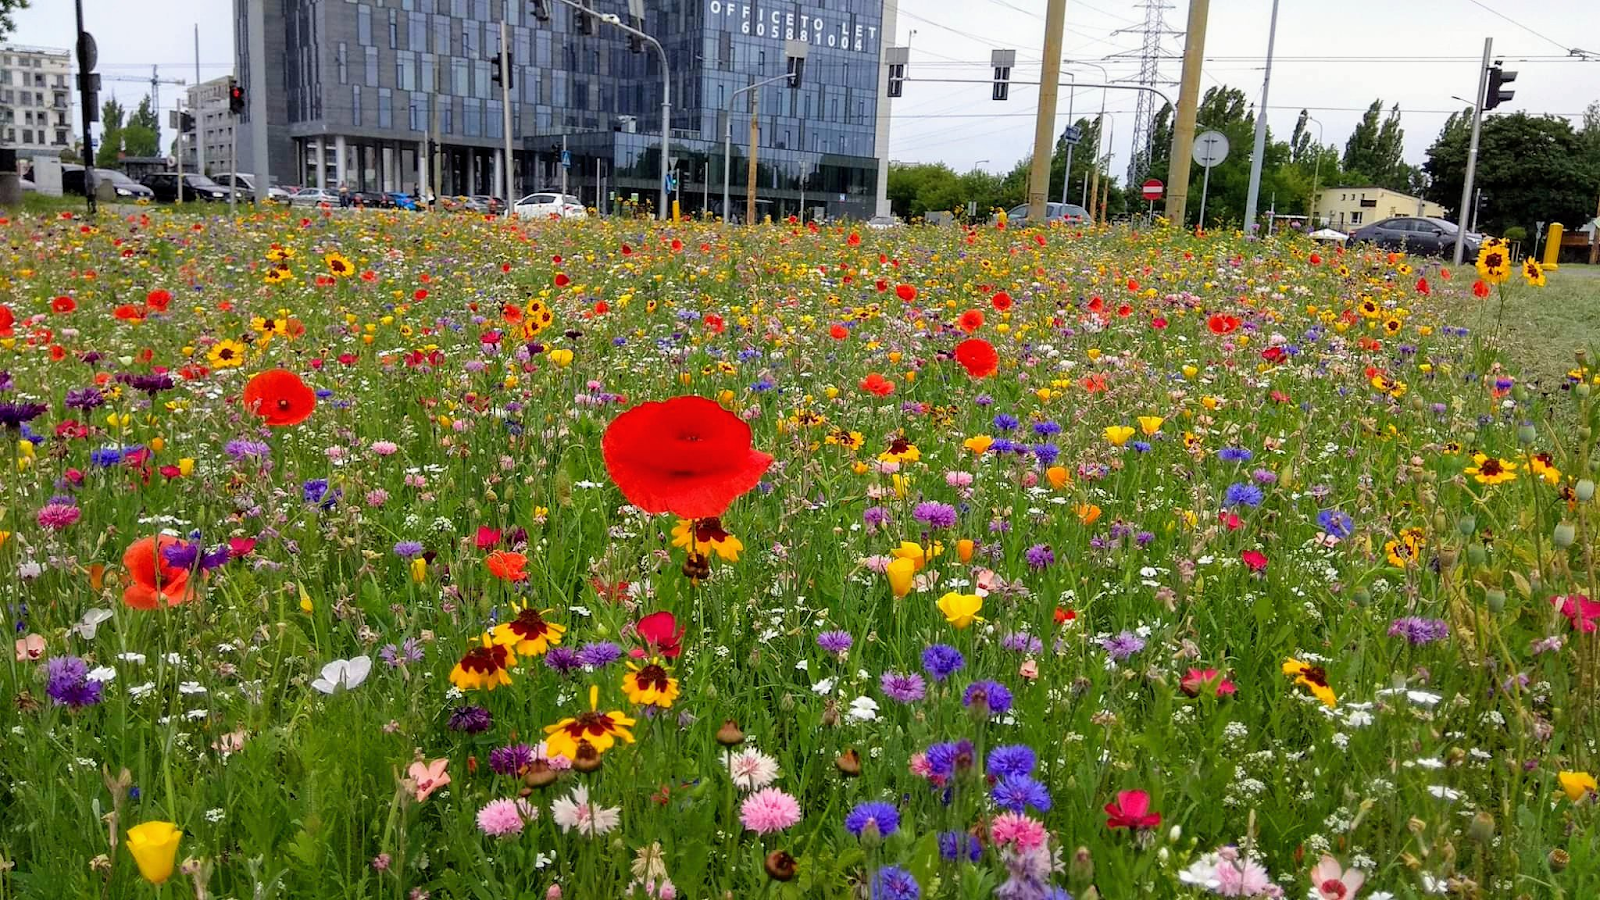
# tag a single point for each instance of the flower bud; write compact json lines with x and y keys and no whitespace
{"x":1582,"y":389}
{"x":729,"y":734}
{"x":780,"y":866}
{"x":1466,"y":525}
{"x":1082,"y":866}
{"x":1482,"y":827}
{"x":1526,"y":433}
{"x":1558,"y":859}
{"x":849,"y":763}
{"x":1361,"y":596}
{"x":587,"y":758}
{"x":1476,"y":554}
{"x":1496,"y":599}
{"x":1584,"y":490}
{"x":538,"y":774}
{"x":1440,"y":521}
{"x":1564,"y":535}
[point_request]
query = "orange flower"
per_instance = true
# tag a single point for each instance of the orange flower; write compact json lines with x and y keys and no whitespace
{"x":970,"y":321}
{"x":507,"y":566}
{"x":153,"y":579}
{"x":279,"y":397}
{"x":878,"y":385}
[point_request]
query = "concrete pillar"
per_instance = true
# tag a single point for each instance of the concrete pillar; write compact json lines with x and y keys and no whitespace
{"x":422,"y":168}
{"x":499,"y":170}
{"x":321,"y":156}
{"x":472,"y":172}
{"x":339,"y":161}
{"x":391,"y":169}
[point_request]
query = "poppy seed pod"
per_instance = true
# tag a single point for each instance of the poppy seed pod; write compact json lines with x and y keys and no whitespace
{"x":1466,"y":525}
{"x":1361,"y":596}
{"x":538,"y":774}
{"x":729,"y":734}
{"x":1496,"y":599}
{"x":1584,"y":490}
{"x":587,"y":758}
{"x":1082,"y":867}
{"x":1582,"y":390}
{"x":1558,"y":859}
{"x":1476,"y":554}
{"x":1482,"y":827}
{"x":1564,"y":535}
{"x":1526,"y":433}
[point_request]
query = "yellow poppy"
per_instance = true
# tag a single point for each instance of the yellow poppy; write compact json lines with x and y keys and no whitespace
{"x":978,"y":443}
{"x":1118,"y":434}
{"x":961,"y":610}
{"x":1577,"y":785}
{"x":902,"y":574}
{"x":154,"y":846}
{"x":1058,"y":476}
{"x":1150,"y":424}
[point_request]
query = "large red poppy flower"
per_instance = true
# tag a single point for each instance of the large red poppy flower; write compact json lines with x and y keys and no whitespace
{"x":970,"y":321}
{"x":905,"y":292}
{"x":279,"y":397}
{"x":977,"y":356}
{"x":1001,"y":301}
{"x":661,"y":634}
{"x":8,"y":320}
{"x":687,"y":456}
{"x":877,"y":385}
{"x":1221,"y":324}
{"x":151,"y":578}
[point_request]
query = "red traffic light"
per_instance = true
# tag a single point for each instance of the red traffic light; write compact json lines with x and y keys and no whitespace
{"x":235,"y":97}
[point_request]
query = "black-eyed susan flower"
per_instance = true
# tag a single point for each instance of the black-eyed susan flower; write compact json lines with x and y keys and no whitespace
{"x":1494,"y":262}
{"x":529,"y":634}
{"x":1532,"y":272}
{"x":1405,"y":549}
{"x":1312,"y":678}
{"x":900,"y":450}
{"x":706,"y":536}
{"x":484,"y":667}
{"x":339,"y":265}
{"x":650,"y":684}
{"x":226,"y":354}
{"x":595,"y":730}
{"x":1487,"y":469}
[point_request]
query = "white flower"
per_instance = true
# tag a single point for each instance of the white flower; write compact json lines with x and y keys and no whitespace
{"x":102,"y":674}
{"x":590,"y":819}
{"x":191,"y":687}
{"x":343,"y":673}
{"x":751,"y":769}
{"x":135,"y":658}
{"x":824,"y":687}
{"x":862,"y":709}
{"x":89,"y":625}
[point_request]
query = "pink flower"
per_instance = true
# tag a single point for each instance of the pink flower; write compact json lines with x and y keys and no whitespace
{"x":769,"y":810}
{"x":1332,"y":882}
{"x":426,"y":777}
{"x":919,"y":765}
{"x":1255,"y":559}
{"x":1013,"y":829}
{"x":499,"y":818}
{"x":1029,"y":669}
{"x":1208,"y":680}
{"x":30,"y":648}
{"x":57,"y":516}
{"x":1579,"y":610}
{"x":1131,"y":810}
{"x":958,"y":479}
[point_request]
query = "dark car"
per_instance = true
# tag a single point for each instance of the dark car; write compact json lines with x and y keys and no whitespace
{"x":371,"y":200}
{"x":125,"y":188}
{"x":195,"y":187}
{"x":1422,"y":235}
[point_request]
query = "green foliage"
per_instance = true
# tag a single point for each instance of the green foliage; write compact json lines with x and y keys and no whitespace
{"x":7,"y":7}
{"x":1530,"y":169}
{"x":1372,"y":155}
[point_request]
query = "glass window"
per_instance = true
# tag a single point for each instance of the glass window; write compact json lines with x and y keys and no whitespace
{"x":494,"y":119}
{"x":418,"y":38}
{"x":394,"y":29}
{"x":406,"y":74}
{"x":385,"y":108}
{"x":355,"y":104}
{"x":480,"y":79}
{"x":447,"y":118}
{"x":469,"y":39}
{"x":458,"y":8}
{"x":372,"y":66}
{"x":441,"y":35}
{"x":364,"y":25}
{"x":416,"y":113}
{"x":458,"y":77}
{"x":473,"y":109}
{"x":341,"y":58}
{"x":480,"y":10}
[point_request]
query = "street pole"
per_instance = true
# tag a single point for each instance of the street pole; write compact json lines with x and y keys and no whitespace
{"x":1316,"y":175}
{"x":1093,"y":184}
{"x":1259,"y":154}
{"x":1066,"y":174}
{"x":1044,"y":128}
{"x":258,"y":101}
{"x":199,"y":112}
{"x":505,"y":107}
{"x":1472,"y":150}
{"x":1105,"y":78}
{"x":1194,"y":51}
{"x":178,"y":154}
{"x":1205,"y":188}
{"x":88,"y":114}
{"x":750,"y":171}
{"x":563,"y":163}
{"x":727,"y":136}
{"x":233,"y":161}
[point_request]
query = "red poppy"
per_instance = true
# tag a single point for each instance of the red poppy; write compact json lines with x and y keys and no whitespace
{"x":970,"y":321}
{"x":1316,"y":259}
{"x":853,"y":240}
{"x":686,"y":456}
{"x":153,"y":579}
{"x":1230,"y":520}
{"x":627,"y":250}
{"x":881,"y":285}
{"x":838,"y":332}
{"x":977,"y":356}
{"x":1221,"y":324}
{"x":715,"y":323}
{"x":1479,"y":289}
{"x":562,"y":280}
{"x":1255,"y":559}
{"x":507,"y":566}
{"x":905,"y":292}
{"x":158,"y":300}
{"x":661,"y":634}
{"x":877,"y":385}
{"x":1274,"y":355}
{"x":127,"y":312}
{"x":1063,"y":615}
{"x":1132,"y":810}
{"x":487,"y":537}
{"x":1422,"y":286}
{"x":279,"y":397}
{"x":1001,"y":301}
{"x":63,"y":305}
{"x":1133,"y":284}
{"x":1579,"y":610}
{"x":8,"y":319}
{"x":240,"y":547}
{"x":1209,"y":680}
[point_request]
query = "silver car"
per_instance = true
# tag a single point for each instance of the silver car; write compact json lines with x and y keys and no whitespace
{"x":313,"y":197}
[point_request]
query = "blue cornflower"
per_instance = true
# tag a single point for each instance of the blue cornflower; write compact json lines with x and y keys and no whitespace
{"x":945,"y":759}
{"x":1242,"y":494}
{"x":1235,"y":454}
{"x":1017,"y":792}
{"x":955,"y":844}
{"x":106,"y":457}
{"x":599,"y":654}
{"x":408,"y":549}
{"x":940,"y":660}
{"x":1046,"y":428}
{"x":1335,"y":523}
{"x":314,"y":490}
{"x":876,"y":814}
{"x":1005,"y":422}
{"x":1046,"y":453}
{"x":993,"y":694}
{"x":1141,"y":446}
{"x":895,"y":883}
{"x":1011,"y":760}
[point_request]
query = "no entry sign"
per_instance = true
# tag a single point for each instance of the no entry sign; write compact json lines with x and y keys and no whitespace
{"x":1153,"y":189}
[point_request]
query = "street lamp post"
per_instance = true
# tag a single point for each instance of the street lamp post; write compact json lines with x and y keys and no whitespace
{"x":1105,"y":76}
{"x":1316,"y":173}
{"x":727,"y":136}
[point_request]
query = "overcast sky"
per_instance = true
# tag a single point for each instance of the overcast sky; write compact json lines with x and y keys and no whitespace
{"x":1334,"y":56}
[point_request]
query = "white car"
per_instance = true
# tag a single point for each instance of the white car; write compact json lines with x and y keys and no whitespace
{"x":550,"y":204}
{"x":311,"y":197}
{"x":883,"y":223}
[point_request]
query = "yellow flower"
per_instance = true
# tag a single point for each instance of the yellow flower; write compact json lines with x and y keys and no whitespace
{"x":1544,"y":467}
{"x":226,"y":354}
{"x":915,"y":552}
{"x":598,"y":731}
{"x":1088,"y":513}
{"x":1118,"y":434}
{"x":1150,"y":424}
{"x":1058,"y":477}
{"x":964,"y":548}
{"x":154,"y":846}
{"x":278,"y":275}
{"x":707,"y":536}
{"x":1494,"y":262}
{"x":484,"y":666}
{"x":650,"y":685}
{"x":529,"y":633}
{"x":419,"y":569}
{"x":1577,"y":785}
{"x":900,"y":451}
{"x":339,"y":265}
{"x":186,"y":466}
{"x":961,"y":610}
{"x":1491,"y":470}
{"x":1405,"y":549}
{"x":561,"y":356}
{"x":1190,"y":371}
{"x":978,"y":443}
{"x":1532,"y":272}
{"x":902,"y":574}
{"x":1312,"y":678}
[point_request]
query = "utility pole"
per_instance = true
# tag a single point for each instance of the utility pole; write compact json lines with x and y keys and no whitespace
{"x":88,"y":55}
{"x":750,"y":170}
{"x":563,"y":163}
{"x":1259,"y":154}
{"x":505,"y":107}
{"x":1194,"y":51}
{"x":199,"y":111}
{"x":436,"y":164}
{"x":1044,"y":128}
{"x":1472,"y":150}
{"x":258,"y":100}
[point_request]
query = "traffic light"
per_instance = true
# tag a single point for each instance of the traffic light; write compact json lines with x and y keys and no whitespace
{"x":494,"y":71}
{"x":1498,"y":77}
{"x":235,"y":97}
{"x":797,"y":70}
{"x":185,"y":122}
{"x":541,"y":10}
{"x":897,"y":79}
{"x":89,"y":92}
{"x":585,"y":19}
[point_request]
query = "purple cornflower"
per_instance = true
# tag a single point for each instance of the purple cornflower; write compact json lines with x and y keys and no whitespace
{"x":242,"y":448}
{"x":882,"y":817}
{"x":1011,"y":760}
{"x":1045,"y":453}
{"x":874,"y":516}
{"x":599,"y":654}
{"x":835,"y":642}
{"x":935,"y":515}
{"x":1046,"y":428}
{"x":510,"y":760}
{"x":1123,"y":645}
{"x":895,"y":883}
{"x":182,"y":554}
{"x":1022,"y":642}
{"x":992,"y":694}
{"x":1419,"y":631}
{"x":1264,"y":476}
{"x":1235,"y":454}
{"x":68,"y":682}
{"x":1039,"y":556}
{"x":903,"y":687}
{"x":1005,"y":422}
{"x":562,"y":659}
{"x":939,"y":660}
{"x":216,"y":557}
{"x":151,"y":383}
{"x":1144,"y":538}
{"x":945,"y":760}
{"x":13,"y":415}
{"x":1242,"y":494}
{"x":1335,"y":523}
{"x":955,"y":844}
{"x":314,"y":490}
{"x":1017,"y":792}
{"x":408,"y":652}
{"x":471,"y":719}
{"x":408,"y":549}
{"x":7,"y":383}
{"x":84,"y":398}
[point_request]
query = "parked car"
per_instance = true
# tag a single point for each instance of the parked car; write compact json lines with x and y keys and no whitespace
{"x":547,"y":204}
{"x":494,"y":205}
{"x":1423,"y":235}
{"x":371,"y":200}
{"x":125,"y":188}
{"x":402,"y":200}
{"x":1066,"y":213}
{"x":246,"y":185}
{"x":881,"y":223}
{"x":311,"y":196}
{"x":195,"y":187}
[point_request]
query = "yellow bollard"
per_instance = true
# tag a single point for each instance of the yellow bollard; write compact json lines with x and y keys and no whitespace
{"x":1552,"y":246}
{"x":675,"y":214}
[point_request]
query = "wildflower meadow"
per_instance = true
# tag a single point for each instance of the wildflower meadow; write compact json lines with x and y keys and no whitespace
{"x":394,"y":555}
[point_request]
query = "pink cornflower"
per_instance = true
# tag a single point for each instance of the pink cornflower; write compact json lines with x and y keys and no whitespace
{"x":920,"y":767}
{"x":958,"y":479}
{"x":57,"y":516}
{"x":377,"y":497}
{"x":1013,"y":829}
{"x":385,"y":448}
{"x":499,"y":818}
{"x":769,"y":810}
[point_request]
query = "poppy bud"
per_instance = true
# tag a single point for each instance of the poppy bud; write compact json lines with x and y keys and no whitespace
{"x":830,"y":714}
{"x":1482,"y":828}
{"x":780,"y":866}
{"x":1448,"y":559}
{"x":849,"y":763}
{"x":1439,"y":521}
{"x":1584,"y":490}
{"x":1466,"y":525}
{"x":587,"y":758}
{"x":1476,"y":554}
{"x":1565,"y":533}
{"x":538,"y":774}
{"x":1527,"y":434}
{"x":1082,"y":869}
{"x":1362,"y":596}
{"x":1558,"y":859}
{"x":1496,"y":599}
{"x":729,"y":734}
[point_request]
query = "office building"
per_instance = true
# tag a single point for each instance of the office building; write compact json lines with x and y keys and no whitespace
{"x":208,"y":103}
{"x":36,"y":100}
{"x":358,"y":87}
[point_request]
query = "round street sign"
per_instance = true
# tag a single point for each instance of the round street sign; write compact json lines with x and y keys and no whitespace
{"x":1210,"y":148}
{"x":88,"y":51}
{"x":1153,"y":189}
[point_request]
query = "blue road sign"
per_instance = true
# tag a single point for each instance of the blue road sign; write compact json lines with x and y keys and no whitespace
{"x":1073,"y":134}
{"x":566,"y":160}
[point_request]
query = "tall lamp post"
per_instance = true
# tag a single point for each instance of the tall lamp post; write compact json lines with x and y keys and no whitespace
{"x":1105,"y":76}
{"x":793,"y":50}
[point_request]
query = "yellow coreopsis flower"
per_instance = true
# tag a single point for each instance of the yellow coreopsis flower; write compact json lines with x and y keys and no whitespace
{"x":1312,"y":678}
{"x":1577,"y":785}
{"x":1532,"y":272}
{"x":707,"y":537}
{"x":154,"y":846}
{"x":226,"y":354}
{"x":1494,"y":262}
{"x":1118,"y":434}
{"x":1491,"y":470}
{"x":961,"y":610}
{"x":650,"y":685}
{"x":599,"y":731}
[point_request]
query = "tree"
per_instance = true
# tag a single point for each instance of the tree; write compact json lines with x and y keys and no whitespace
{"x":111,"y":115}
{"x":142,"y":136}
{"x":1589,"y":137}
{"x":1300,"y":141}
{"x":1373,"y":153}
{"x":7,"y":7}
{"x":1082,"y":162}
{"x":1531,"y":169}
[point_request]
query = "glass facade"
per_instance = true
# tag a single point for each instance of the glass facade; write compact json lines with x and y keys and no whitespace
{"x":375,"y":77}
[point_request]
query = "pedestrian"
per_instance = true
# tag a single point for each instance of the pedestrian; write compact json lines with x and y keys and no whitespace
{"x":344,"y":195}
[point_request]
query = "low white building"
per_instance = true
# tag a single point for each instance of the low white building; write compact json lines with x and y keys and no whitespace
{"x":208,"y":102}
{"x":36,"y":100}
